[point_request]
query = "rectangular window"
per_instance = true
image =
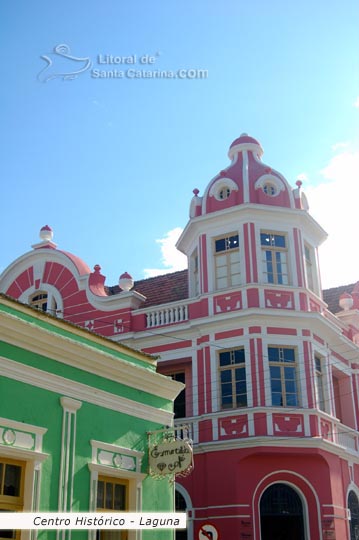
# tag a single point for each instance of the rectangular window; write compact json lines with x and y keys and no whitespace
{"x":274,"y":258}
{"x":232,"y":371}
{"x":11,"y":491}
{"x":194,"y":272}
{"x":179,"y":405}
{"x":112,"y":496}
{"x":309,"y":267}
{"x":227,"y":264}
{"x":319,"y":383}
{"x":283,"y":376}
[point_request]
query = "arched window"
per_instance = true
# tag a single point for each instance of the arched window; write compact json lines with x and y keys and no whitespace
{"x":270,"y":189}
{"x":353,"y":506}
{"x":39,"y":300}
{"x":281,"y":513}
{"x":42,"y":301}
{"x":224,"y":193}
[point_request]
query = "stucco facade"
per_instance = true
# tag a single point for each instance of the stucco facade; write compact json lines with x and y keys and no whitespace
{"x":75,"y":412}
{"x":271,"y":374}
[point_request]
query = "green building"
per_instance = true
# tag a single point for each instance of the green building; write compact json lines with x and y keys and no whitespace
{"x":75,"y":412}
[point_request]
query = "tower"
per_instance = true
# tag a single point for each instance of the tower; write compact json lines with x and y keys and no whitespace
{"x":271,"y":398}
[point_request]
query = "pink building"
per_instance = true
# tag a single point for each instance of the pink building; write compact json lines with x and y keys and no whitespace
{"x":271,"y":373}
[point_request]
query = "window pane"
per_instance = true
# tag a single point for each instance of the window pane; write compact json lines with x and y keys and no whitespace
{"x":242,"y":400}
{"x":234,"y":256}
{"x":279,"y":240}
{"x":233,"y":378}
{"x":221,"y":272}
{"x":120,"y":497}
{"x":227,"y":399}
{"x":225,"y":358}
{"x":221,"y":260}
{"x":241,"y":387}
{"x":235,"y":268}
{"x":100,"y":494}
{"x":227,"y":389}
{"x":226,"y":376}
{"x":12,"y":480}
{"x":292,"y":400}
{"x":240,"y":374}
{"x":289,"y":355}
{"x":224,"y":244}
{"x":222,"y":283}
{"x":109,"y":495}
{"x":265,"y":239}
{"x":289,"y":373}
{"x":220,"y":245}
{"x":276,"y":385}
{"x":290,"y":387}
{"x":239,"y":356}
{"x":232,"y":242}
{"x":277,"y":399}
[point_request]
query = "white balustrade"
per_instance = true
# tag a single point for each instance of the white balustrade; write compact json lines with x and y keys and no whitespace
{"x":169,"y":315}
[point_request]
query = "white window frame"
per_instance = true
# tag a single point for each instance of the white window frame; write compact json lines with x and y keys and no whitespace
{"x":227,"y":253}
{"x":274,"y":250}
{"x":53,"y":298}
{"x":282,"y":365}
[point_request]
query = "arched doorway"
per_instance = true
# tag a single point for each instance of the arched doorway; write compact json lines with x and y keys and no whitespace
{"x":181,"y":506}
{"x":353,"y":506}
{"x":281,"y":513}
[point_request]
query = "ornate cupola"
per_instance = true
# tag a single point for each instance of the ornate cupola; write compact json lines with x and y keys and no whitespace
{"x":247,"y":180}
{"x":251,"y":227}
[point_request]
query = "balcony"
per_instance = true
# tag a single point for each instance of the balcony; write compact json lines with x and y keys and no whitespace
{"x":239,"y":425}
{"x":167,"y":315}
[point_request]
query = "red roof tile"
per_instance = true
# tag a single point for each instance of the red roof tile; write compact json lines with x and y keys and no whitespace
{"x":160,"y":289}
{"x":331,"y":296}
{"x":173,"y":287}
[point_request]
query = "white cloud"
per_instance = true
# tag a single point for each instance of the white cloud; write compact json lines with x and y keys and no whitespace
{"x":340,"y":146}
{"x":356,"y":103}
{"x":172,"y":259}
{"x":334,"y":204}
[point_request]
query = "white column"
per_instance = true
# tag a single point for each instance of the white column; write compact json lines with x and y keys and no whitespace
{"x":68,"y":444}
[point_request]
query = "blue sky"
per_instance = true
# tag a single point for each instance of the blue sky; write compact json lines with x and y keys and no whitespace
{"x":110,"y":163}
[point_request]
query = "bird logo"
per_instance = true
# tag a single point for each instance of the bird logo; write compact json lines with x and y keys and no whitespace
{"x":62,"y":64}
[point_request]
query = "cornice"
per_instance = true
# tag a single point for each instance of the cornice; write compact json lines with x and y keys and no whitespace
{"x":82,"y":392}
{"x":83,"y":356}
{"x":249,"y":212}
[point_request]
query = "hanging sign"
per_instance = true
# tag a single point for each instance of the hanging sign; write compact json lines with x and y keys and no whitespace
{"x":171,"y":457}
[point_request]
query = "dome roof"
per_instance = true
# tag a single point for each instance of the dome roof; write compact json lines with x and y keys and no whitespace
{"x":244,"y":138}
{"x":246,"y":180}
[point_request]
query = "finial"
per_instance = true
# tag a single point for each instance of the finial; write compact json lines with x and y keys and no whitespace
{"x":346,"y":301}
{"x":46,"y":233}
{"x":195,"y":191}
{"x":126,"y":282}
